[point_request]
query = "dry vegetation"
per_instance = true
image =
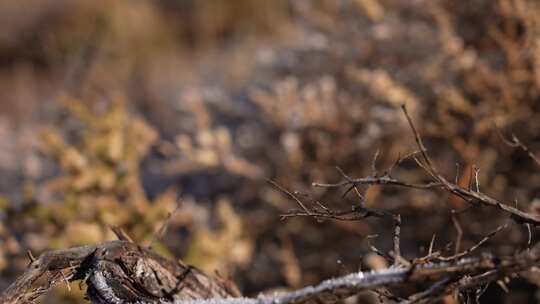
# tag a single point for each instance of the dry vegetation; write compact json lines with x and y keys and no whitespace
{"x":118,"y":114}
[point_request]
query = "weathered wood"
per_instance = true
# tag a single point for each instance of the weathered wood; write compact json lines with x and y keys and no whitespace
{"x":55,"y":264}
{"x":121,"y":272}
{"x":117,"y":272}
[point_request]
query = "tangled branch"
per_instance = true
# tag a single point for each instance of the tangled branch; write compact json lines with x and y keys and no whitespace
{"x":470,"y":195}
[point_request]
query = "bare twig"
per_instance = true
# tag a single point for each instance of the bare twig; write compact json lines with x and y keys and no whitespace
{"x":516,"y":143}
{"x":382,"y":254}
{"x":529,"y":235}
{"x":459,"y":232}
{"x":431,"y":244}
{"x":30,"y":256}
{"x":298,"y":201}
{"x":381,"y":180}
{"x":475,"y":246}
{"x":121,"y":234}
{"x":357,"y":212}
{"x":439,"y":182}
{"x":456,"y":179}
{"x":397,"y":232}
{"x":419,"y":142}
{"x":374,"y":163}
{"x":432,"y":292}
{"x":476,"y":181}
{"x":163,"y":229}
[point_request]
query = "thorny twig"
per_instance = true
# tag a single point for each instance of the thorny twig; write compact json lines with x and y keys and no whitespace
{"x":298,"y":201}
{"x":471,"y":195}
{"x":439,"y":182}
{"x":163,"y":229}
{"x":357,"y":212}
{"x":468,"y":251}
{"x":516,"y":143}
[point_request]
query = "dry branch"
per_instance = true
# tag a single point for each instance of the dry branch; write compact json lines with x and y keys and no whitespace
{"x":448,"y":278}
{"x":515,"y":142}
{"x":122,"y":272}
{"x":439,"y":182}
{"x":116,"y":272}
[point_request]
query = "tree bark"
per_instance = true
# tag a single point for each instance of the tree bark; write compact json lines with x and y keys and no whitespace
{"x":121,"y":272}
{"x":117,"y":272}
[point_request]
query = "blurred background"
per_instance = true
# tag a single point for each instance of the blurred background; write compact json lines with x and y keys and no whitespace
{"x":112,"y":110}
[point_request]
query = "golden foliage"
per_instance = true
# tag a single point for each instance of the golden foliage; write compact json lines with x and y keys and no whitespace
{"x":224,"y":249}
